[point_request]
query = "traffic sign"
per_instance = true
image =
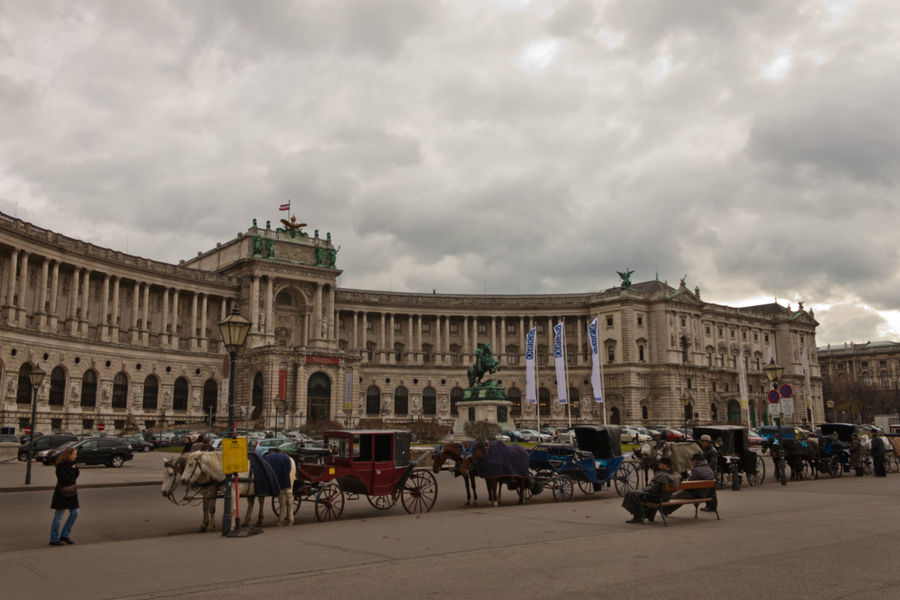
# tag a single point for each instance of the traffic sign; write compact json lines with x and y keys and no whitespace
{"x":27,"y":430}
{"x":786,"y":391}
{"x":101,"y":426}
{"x":773,"y":396}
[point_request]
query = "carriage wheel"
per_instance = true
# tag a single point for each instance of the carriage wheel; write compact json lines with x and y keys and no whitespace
{"x":419,"y":492}
{"x":329,"y":502}
{"x":867,"y":465}
{"x":563,"y":488}
{"x":834,"y":467}
{"x":586,"y":486}
{"x":626,"y":478}
{"x":276,"y":503}
{"x":721,"y":479}
{"x":383,"y":502}
{"x":760,"y":476}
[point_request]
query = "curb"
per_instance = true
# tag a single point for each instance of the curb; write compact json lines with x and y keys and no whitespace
{"x":87,"y":486}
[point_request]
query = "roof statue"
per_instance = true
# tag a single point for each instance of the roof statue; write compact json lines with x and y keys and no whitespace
{"x":626,"y":278}
{"x":293,"y":227}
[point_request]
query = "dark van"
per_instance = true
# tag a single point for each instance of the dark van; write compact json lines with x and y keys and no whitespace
{"x":46,"y":442}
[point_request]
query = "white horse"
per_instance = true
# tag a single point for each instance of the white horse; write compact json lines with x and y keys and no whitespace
{"x":205,"y":469}
{"x":207,"y":489}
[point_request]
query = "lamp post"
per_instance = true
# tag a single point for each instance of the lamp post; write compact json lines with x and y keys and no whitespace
{"x":774,"y":372}
{"x":37,"y":378}
{"x":234,"y":330}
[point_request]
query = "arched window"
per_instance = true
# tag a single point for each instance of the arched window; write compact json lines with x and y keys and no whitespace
{"x":120,"y":391}
{"x":734,"y":412}
{"x":544,"y":402}
{"x":23,"y":394}
{"x":574,"y":403}
{"x":151,"y":392}
{"x":180,"y":394}
{"x":641,"y":353}
{"x":645,"y":413}
{"x":515,"y":396}
{"x":89,"y":389}
{"x":866,"y":378}
{"x":210,"y":397}
{"x":318,"y":394}
{"x":401,"y":401}
{"x":429,"y":401}
{"x":610,"y":353}
{"x":713,"y":412}
{"x":58,"y":387}
{"x":257,"y":395}
{"x":373,"y":400}
{"x":614,"y":415}
{"x":456,"y":395}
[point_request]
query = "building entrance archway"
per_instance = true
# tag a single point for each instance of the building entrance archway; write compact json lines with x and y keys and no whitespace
{"x":318,"y":397}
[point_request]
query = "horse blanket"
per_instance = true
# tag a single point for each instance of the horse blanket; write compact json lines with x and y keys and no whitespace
{"x":681,"y":453}
{"x":265,"y":481}
{"x":501,"y":460}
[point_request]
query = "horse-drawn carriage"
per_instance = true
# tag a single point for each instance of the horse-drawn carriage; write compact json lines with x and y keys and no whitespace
{"x":834,"y":447}
{"x":732,"y":442}
{"x":371,"y":463}
{"x":596,"y":462}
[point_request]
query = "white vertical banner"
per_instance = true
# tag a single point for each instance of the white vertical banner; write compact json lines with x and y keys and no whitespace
{"x":530,"y":383}
{"x":559,"y":359}
{"x":596,"y":373}
{"x":804,"y":361}
{"x":742,"y":385}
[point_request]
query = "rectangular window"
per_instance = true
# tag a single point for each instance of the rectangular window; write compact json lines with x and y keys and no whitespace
{"x":640,"y":320}
{"x":766,"y":338}
{"x":683,"y":322}
{"x":540,"y":328}
{"x":609,"y":321}
{"x":454,"y":327}
{"x":510,"y":328}
{"x":689,"y":382}
{"x":87,"y":424}
{"x":369,"y":325}
{"x":341,"y":322}
{"x":744,"y":335}
{"x":55,"y":424}
{"x":397,"y":326}
{"x":732,"y":334}
{"x":708,"y":331}
{"x":119,"y":424}
{"x":482,"y":328}
{"x":755,"y":337}
{"x":611,"y":354}
{"x":426,"y":327}
{"x":713,"y":386}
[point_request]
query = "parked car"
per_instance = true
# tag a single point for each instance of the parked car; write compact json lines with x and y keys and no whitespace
{"x":109,"y":451}
{"x":263,"y":446}
{"x":502,"y":437}
{"x":46,"y":442}
{"x":532,"y":435}
{"x":755,"y":438}
{"x":139,"y":444}
{"x":630,"y":435}
{"x":162,"y":440}
{"x":514,"y":436}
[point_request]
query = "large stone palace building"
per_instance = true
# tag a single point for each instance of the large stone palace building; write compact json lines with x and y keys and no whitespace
{"x":860,"y":381}
{"x":134,"y":343}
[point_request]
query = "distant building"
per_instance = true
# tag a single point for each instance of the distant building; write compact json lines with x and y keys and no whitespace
{"x":134,"y":343}
{"x":860,"y":381}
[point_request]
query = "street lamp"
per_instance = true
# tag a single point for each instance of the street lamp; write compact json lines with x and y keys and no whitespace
{"x":37,"y":378}
{"x":774,"y":372}
{"x":234,"y":330}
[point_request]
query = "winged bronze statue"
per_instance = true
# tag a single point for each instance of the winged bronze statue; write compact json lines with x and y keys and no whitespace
{"x":293,"y":225}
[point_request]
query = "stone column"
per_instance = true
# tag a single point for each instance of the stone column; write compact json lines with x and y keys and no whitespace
{"x":465,"y":336}
{"x":54,"y":288}
{"x":392,"y":358}
{"x":11,"y":287}
{"x":164,"y":328}
{"x":42,"y":295}
{"x":86,"y":304}
{"x":410,"y":345}
{"x":354,"y":345}
{"x":502,"y":349}
{"x":204,"y":308}
{"x":104,"y":309}
{"x":114,"y":326}
{"x":23,"y":290}
{"x":317,"y":312}
{"x":73,"y":302}
{"x":332,"y":327}
{"x":254,"y":304}
{"x":382,"y":357}
{"x":438,"y":352}
{"x":550,"y":341}
{"x":580,"y":332}
{"x":494,"y":334}
{"x":174,"y":337}
{"x":270,"y":301}
{"x":419,"y":341}
{"x":365,"y":335}
{"x":145,"y":316}
{"x":135,"y":306}
{"x":193,"y":338}
{"x":447,"y":336}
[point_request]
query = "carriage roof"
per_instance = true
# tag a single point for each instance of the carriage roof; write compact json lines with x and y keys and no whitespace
{"x":845,"y":431}
{"x":603,"y":441}
{"x":735,"y":438}
{"x":400,"y":442}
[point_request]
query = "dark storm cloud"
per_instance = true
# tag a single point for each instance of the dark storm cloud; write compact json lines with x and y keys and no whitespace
{"x":487,"y":145}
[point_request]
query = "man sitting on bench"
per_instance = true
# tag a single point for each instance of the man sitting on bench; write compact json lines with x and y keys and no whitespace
{"x":663,"y":478}
{"x":700,"y":471}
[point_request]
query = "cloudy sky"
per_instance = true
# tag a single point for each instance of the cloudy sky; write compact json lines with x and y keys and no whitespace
{"x":511,"y":146}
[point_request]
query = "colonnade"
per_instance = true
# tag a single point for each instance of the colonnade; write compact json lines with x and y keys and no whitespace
{"x":96,"y":305}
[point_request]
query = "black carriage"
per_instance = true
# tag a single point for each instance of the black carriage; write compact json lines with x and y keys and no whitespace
{"x":371,"y":463}
{"x":597,"y":461}
{"x":834,"y":447}
{"x":732,"y":442}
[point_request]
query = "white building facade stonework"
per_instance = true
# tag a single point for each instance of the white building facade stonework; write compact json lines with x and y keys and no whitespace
{"x":133,"y":343}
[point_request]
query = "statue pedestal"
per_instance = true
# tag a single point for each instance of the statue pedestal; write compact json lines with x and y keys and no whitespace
{"x":491,"y":411}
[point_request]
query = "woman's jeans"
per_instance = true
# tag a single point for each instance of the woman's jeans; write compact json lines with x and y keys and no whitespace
{"x":67,"y":528}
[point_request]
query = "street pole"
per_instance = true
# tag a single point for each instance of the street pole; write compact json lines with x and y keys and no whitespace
{"x":780,"y":439}
{"x":226,"y":513}
{"x":36,"y":377}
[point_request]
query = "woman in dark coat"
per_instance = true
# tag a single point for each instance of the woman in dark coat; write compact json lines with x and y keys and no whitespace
{"x":66,"y":475}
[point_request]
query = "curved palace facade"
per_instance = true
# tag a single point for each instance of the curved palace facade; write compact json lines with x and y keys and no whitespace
{"x":133,"y":343}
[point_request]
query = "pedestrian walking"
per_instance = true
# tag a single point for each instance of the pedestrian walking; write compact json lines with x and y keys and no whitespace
{"x":856,"y":455}
{"x":878,"y":451}
{"x":65,"y":497}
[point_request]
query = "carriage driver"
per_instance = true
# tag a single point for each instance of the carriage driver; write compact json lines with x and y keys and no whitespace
{"x":662,"y":478}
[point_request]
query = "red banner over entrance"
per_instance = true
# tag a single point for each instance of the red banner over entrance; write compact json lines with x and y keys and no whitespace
{"x":282,"y":384}
{"x":323,"y":360}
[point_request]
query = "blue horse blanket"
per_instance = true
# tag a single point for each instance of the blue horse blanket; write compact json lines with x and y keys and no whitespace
{"x":501,"y":460}
{"x":269,"y":474}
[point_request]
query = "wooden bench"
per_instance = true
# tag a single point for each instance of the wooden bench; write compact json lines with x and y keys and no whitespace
{"x":656,"y":502}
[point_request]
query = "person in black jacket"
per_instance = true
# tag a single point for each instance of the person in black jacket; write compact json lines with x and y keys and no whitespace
{"x":66,"y":475}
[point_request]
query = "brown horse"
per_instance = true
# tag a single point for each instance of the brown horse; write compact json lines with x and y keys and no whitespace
{"x":499,"y":463}
{"x":456,"y":451}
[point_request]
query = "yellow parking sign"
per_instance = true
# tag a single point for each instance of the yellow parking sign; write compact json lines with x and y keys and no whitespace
{"x":234,"y":455}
